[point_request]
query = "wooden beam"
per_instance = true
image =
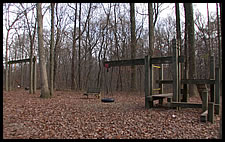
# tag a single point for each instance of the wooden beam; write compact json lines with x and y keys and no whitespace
{"x":163,"y":95}
{"x":185,"y":105}
{"x":217,"y":91}
{"x":147,"y":103}
{"x":204,"y":100}
{"x":124,"y":62}
{"x":164,"y":81}
{"x":166,"y":60}
{"x":211,"y":112}
{"x":197,"y":81}
{"x":154,"y":60}
{"x":212,"y":76}
{"x":188,"y":81}
{"x":176,"y":73}
{"x":19,"y":61}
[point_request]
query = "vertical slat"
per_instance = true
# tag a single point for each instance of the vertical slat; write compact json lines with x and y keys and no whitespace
{"x":10,"y":76}
{"x":217,"y":91}
{"x":146,"y":81}
{"x":151,"y":75}
{"x":211,"y":112}
{"x":204,"y":100}
{"x":161,"y":78}
{"x":212,"y":76}
{"x":175,"y":72}
{"x":160,"y":84}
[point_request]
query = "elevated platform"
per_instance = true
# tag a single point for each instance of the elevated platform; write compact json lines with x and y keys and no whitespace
{"x":160,"y":96}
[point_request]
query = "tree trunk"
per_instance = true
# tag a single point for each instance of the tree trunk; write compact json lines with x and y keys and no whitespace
{"x":6,"y":64}
{"x":133,"y":46}
{"x":44,"y":80}
{"x":52,"y":50}
{"x":209,"y":41}
{"x":180,"y":68}
{"x":74,"y":53}
{"x":151,"y":29}
{"x":191,"y":47}
{"x":79,"y":61}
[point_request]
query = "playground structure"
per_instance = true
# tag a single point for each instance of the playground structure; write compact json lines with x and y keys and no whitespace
{"x":179,"y":97}
{"x":34,"y":73}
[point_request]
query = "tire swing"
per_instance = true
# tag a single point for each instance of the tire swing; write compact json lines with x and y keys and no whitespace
{"x":107,"y":100}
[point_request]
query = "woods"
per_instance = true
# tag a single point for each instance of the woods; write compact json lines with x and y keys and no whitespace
{"x":81,"y":43}
{"x":132,"y":53}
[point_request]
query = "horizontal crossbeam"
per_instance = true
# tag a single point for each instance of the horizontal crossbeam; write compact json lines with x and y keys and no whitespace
{"x":188,"y":81}
{"x":197,"y":81}
{"x":154,"y":60}
{"x":21,"y":61}
{"x":185,"y":105}
{"x":165,"y":60}
{"x":125,"y":62}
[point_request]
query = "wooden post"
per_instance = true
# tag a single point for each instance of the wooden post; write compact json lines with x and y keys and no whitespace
{"x":34,"y":75}
{"x":211,"y":112}
{"x":10,"y":76}
{"x":160,"y":84}
{"x":6,"y":76}
{"x":212,"y":76}
{"x":146,"y":81}
{"x":217,"y":91}
{"x":175,"y":72}
{"x":204,"y":100}
{"x":151,"y":75}
{"x":31,"y":76}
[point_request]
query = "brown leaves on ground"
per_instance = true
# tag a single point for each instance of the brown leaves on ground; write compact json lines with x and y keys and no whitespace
{"x":69,"y":115}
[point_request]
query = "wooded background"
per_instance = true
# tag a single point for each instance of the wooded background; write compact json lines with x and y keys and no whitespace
{"x":86,"y":33}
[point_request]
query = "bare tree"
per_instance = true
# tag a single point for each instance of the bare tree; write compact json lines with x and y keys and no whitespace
{"x":45,"y":93}
{"x":52,"y":49}
{"x":191,"y":47}
{"x":74,"y":52}
{"x":79,"y":46}
{"x":151,"y":29}
{"x":133,"y":46}
{"x":9,"y":26}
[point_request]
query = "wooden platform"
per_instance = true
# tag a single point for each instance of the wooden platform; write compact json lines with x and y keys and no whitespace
{"x":163,"y":95}
{"x":160,"y":96}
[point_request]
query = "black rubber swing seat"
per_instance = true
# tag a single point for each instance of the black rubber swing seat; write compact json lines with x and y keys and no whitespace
{"x":107,"y":100}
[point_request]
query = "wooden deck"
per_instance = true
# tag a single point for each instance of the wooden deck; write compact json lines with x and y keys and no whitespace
{"x":160,"y":96}
{"x":163,"y":95}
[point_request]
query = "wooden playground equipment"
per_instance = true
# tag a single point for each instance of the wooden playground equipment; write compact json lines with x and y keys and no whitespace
{"x":179,"y":97}
{"x":32,"y":87}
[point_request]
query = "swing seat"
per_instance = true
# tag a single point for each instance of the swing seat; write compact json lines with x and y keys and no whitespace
{"x":107,"y":100}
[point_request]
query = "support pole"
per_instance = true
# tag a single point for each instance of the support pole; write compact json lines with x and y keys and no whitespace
{"x":211,"y":112}
{"x":217,"y":91}
{"x":10,"y":76}
{"x":31,"y":76}
{"x":34,"y":75}
{"x":204,"y":100}
{"x":6,"y":76}
{"x":147,"y":105}
{"x":160,"y":84}
{"x":175,"y":72}
{"x":212,"y":77}
{"x":151,"y":74}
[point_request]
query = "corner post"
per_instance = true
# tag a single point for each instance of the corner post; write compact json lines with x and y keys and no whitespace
{"x":217,"y":91}
{"x":34,"y":75}
{"x":212,"y":77}
{"x":147,"y":101}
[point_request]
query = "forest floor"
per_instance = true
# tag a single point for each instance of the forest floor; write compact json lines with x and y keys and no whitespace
{"x":70,"y":115}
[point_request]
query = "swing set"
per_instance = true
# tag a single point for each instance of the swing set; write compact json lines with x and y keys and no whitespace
{"x":106,"y":92}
